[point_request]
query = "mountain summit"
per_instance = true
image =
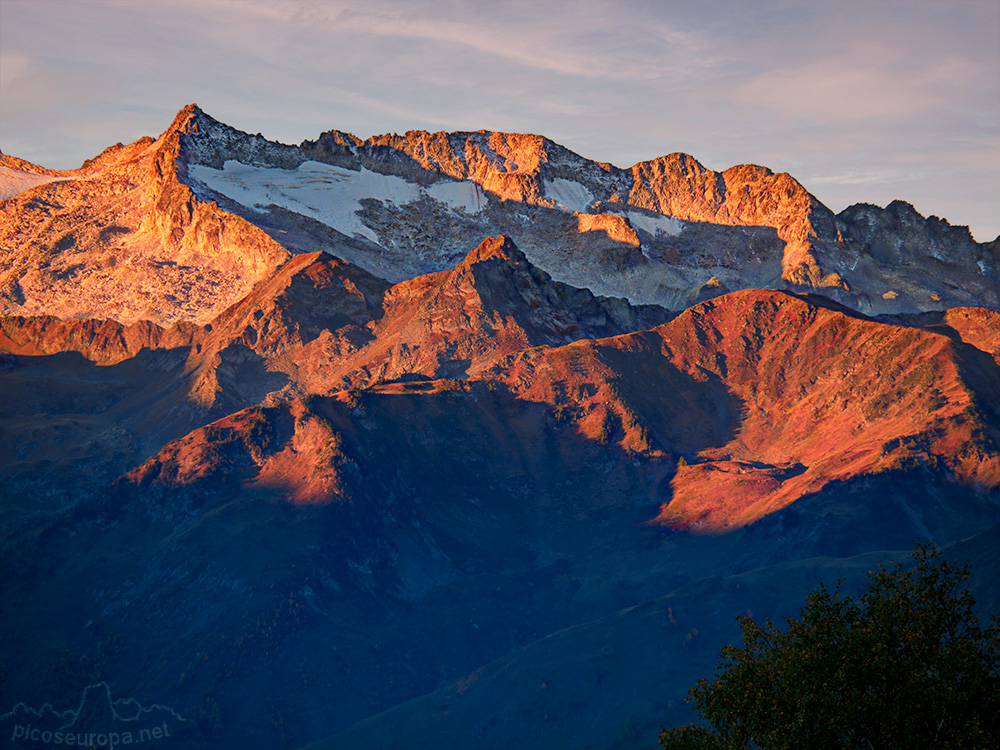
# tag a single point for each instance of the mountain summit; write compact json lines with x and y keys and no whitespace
{"x":137,"y":233}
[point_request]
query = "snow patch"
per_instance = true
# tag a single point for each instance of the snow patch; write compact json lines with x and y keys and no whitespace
{"x":331,"y":195}
{"x":656,"y":224}
{"x":466,"y":196}
{"x":14,"y":181}
{"x":568,"y":194}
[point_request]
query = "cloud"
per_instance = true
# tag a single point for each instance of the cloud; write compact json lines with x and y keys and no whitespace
{"x":858,"y":178}
{"x":861,"y":87}
{"x":15,"y":65}
{"x":581,"y":39}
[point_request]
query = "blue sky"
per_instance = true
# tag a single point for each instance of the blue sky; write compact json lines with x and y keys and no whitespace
{"x":860,"y":101}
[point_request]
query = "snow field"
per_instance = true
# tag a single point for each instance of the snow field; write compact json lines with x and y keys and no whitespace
{"x":331,"y":195}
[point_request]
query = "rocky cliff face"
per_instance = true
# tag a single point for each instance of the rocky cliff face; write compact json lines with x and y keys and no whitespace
{"x":899,"y":244}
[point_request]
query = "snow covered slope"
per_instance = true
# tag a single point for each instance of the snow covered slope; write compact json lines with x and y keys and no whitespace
{"x":331,"y":195}
{"x":15,"y":181}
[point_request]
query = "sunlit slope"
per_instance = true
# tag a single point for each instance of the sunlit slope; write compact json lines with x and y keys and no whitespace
{"x":122,"y":238}
{"x":825,"y":397}
{"x":738,"y":406}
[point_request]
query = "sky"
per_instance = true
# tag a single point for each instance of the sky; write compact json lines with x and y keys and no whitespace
{"x":860,"y":100}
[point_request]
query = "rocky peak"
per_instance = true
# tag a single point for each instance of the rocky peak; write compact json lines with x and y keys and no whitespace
{"x":125,"y":238}
{"x":21,"y":165}
{"x":462,"y":154}
{"x":744,"y":195}
{"x":900,"y":237}
{"x":863,"y":221}
{"x":206,"y":141}
{"x":396,"y":205}
{"x":500,"y":248}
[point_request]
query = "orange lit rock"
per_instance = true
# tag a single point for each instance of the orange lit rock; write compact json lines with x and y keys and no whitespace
{"x":616,"y":227}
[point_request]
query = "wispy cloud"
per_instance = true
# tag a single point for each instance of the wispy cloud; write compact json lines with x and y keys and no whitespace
{"x":857,"y":178}
{"x":861,"y":86}
{"x":15,"y":66}
{"x":582,"y":39}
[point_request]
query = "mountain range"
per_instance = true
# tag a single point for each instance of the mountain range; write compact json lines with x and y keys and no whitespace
{"x":448,"y":438}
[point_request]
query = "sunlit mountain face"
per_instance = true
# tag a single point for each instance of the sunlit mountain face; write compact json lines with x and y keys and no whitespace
{"x":449,"y":439}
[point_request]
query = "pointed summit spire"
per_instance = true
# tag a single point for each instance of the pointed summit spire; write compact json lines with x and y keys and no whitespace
{"x":184,"y":117}
{"x":501,"y":247}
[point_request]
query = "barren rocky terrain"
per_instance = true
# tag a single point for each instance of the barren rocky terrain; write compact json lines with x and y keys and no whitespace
{"x":439,"y":439}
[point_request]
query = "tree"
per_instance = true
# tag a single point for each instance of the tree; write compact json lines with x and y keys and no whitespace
{"x":908,"y":665}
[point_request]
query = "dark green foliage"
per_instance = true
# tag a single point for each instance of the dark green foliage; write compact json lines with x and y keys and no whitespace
{"x":604,"y":433}
{"x":259,"y":432}
{"x":907,"y":665}
{"x":453,"y":384}
{"x":565,"y":413}
{"x":353,"y":399}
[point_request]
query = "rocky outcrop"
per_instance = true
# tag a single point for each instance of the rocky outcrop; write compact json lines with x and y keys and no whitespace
{"x":102,"y":341}
{"x":745,"y":195}
{"x":615,"y":226}
{"x":922,"y":263}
